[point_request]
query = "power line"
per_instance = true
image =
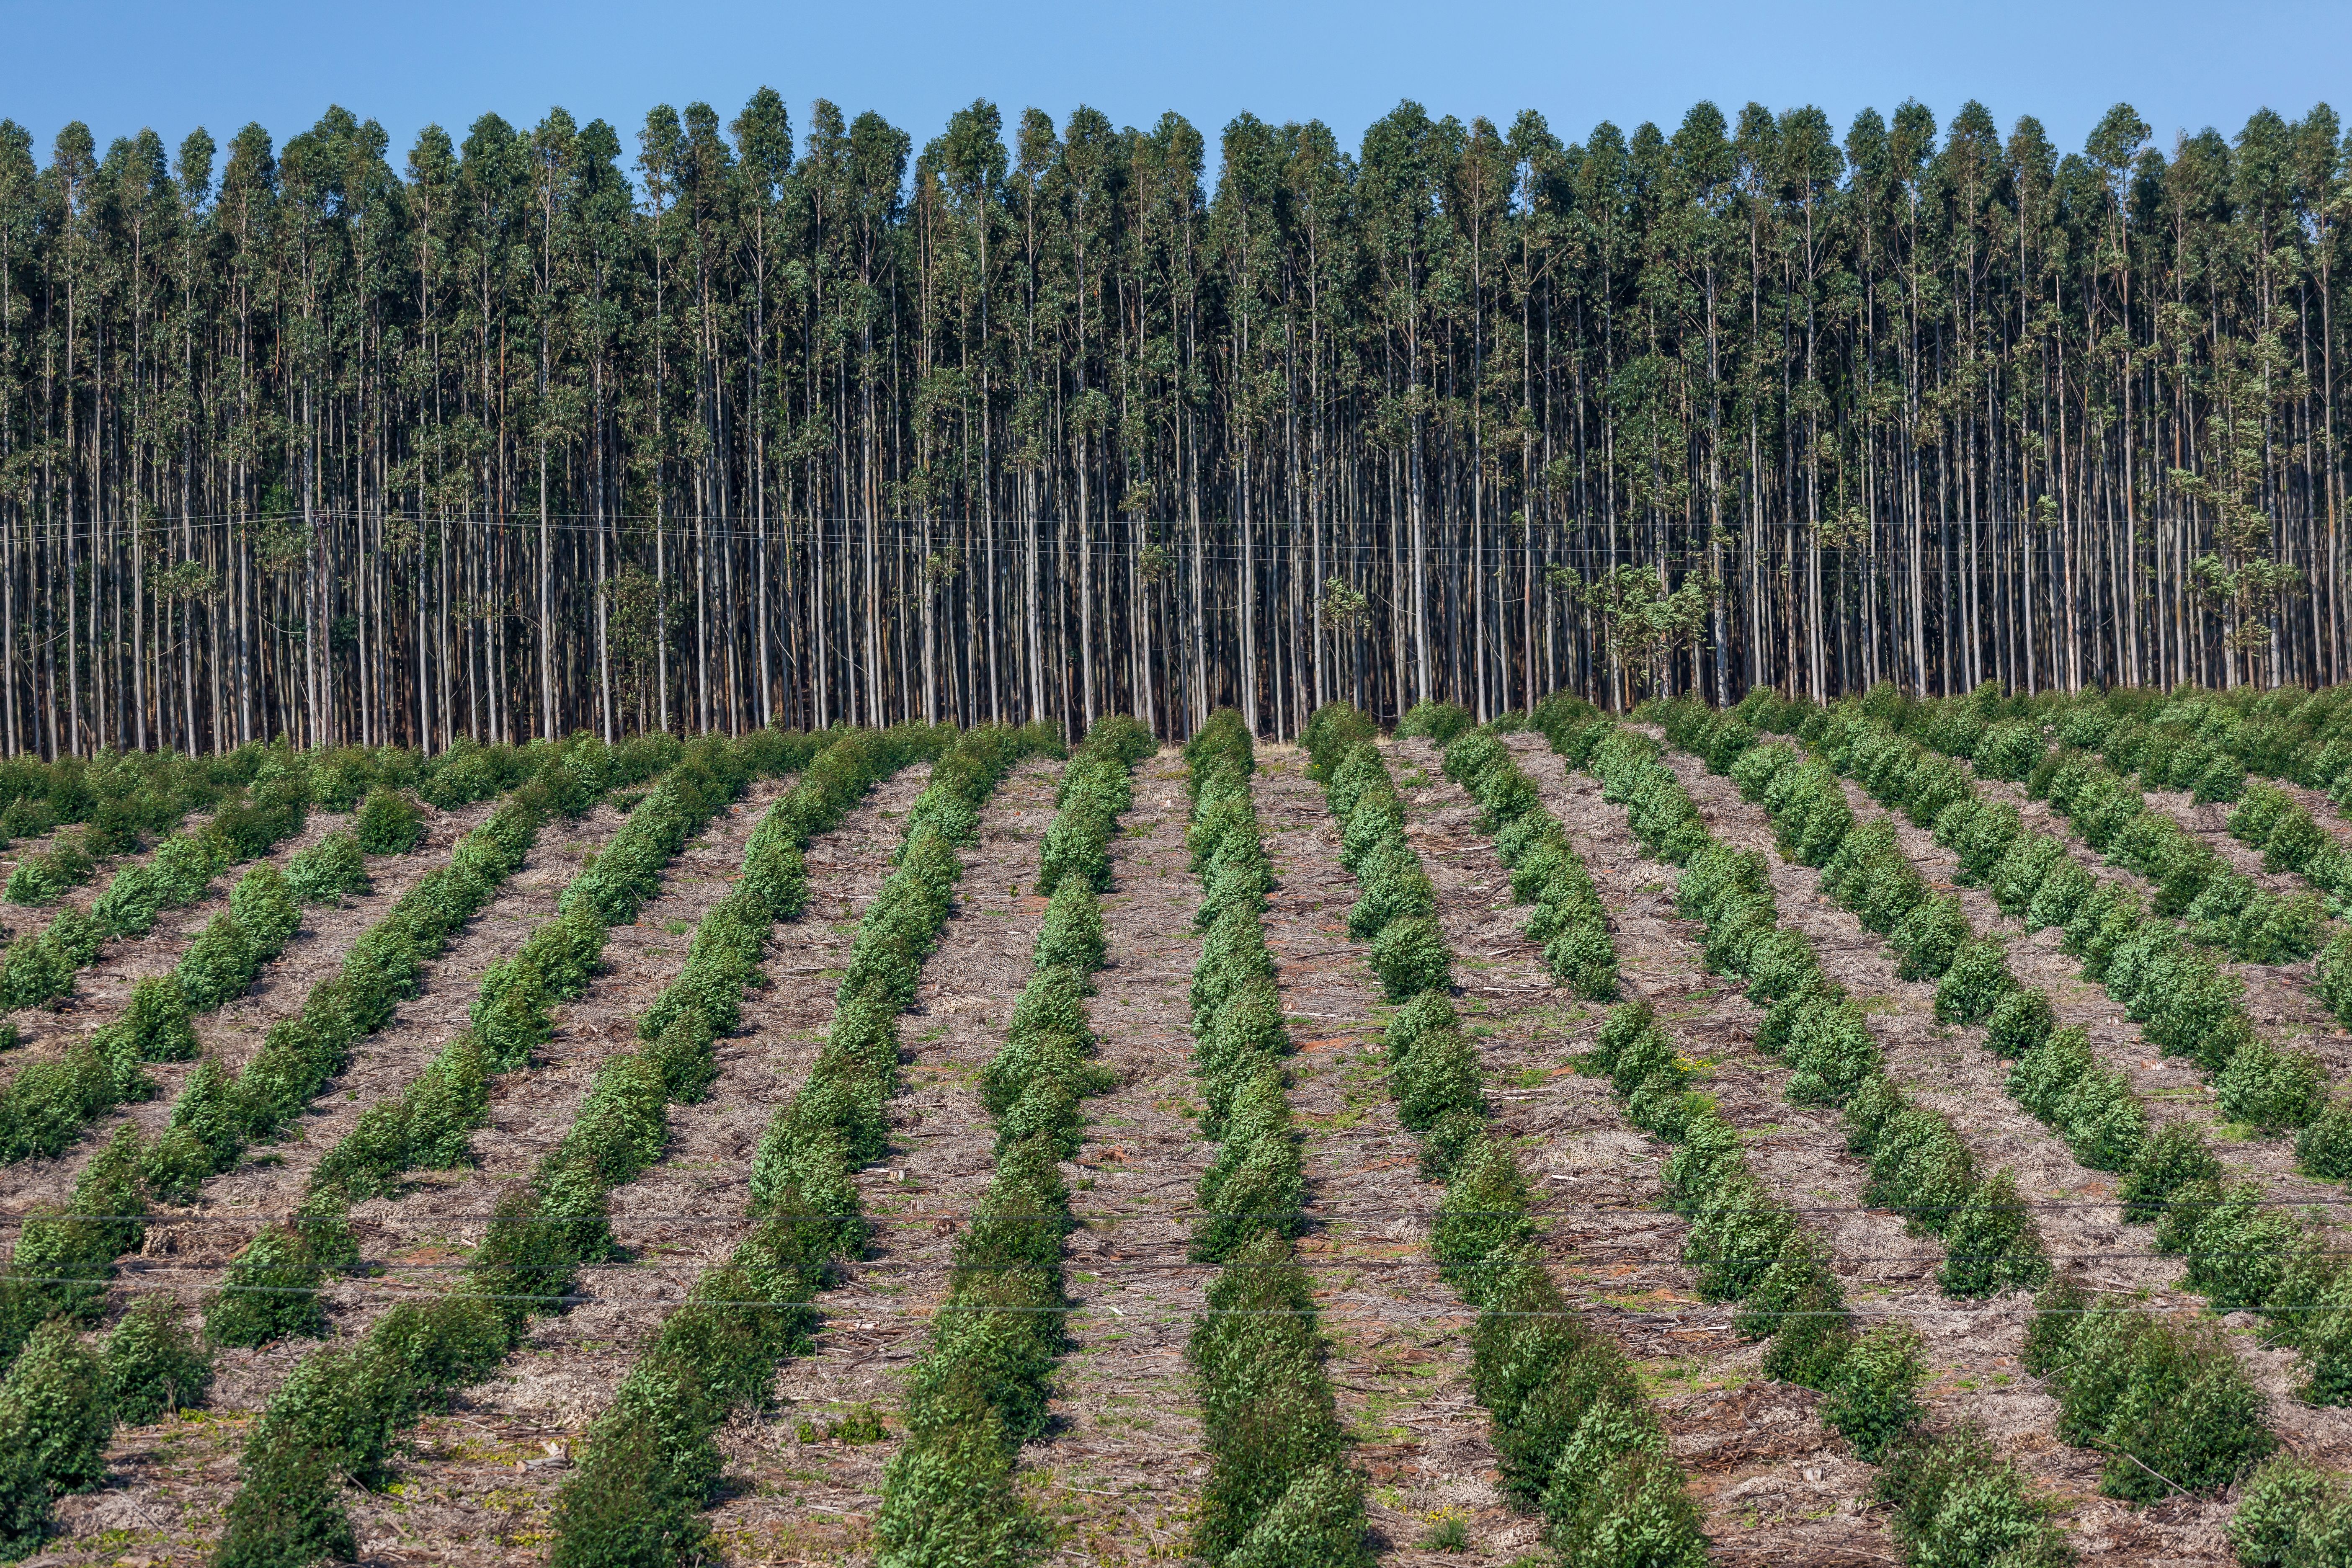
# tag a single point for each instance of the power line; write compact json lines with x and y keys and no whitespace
{"x":1186,"y":1212}
{"x":567,"y":1300}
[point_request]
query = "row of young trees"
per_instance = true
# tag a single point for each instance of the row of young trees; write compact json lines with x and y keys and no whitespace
{"x":536,"y":433}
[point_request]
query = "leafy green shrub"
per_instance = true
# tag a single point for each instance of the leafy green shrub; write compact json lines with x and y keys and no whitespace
{"x":2020,"y":1023}
{"x":265,"y":907}
{"x":153,"y":1364}
{"x":2292,"y":1514}
{"x":157,"y":1020}
{"x":1411,"y":956}
{"x":44,"y":1107}
{"x":1333,"y":732}
{"x":43,"y":878}
{"x":388,"y":824}
{"x":1991,"y":1242}
{"x":1874,"y":1396}
{"x":219,"y":965}
{"x":1438,"y":721}
{"x":53,"y":1424}
{"x":1267,"y":1407}
{"x":2009,"y":750}
{"x":328,"y":869}
{"x":269,"y":1293}
{"x":2271,"y":1089}
{"x":2324,"y":1146}
{"x":1957,"y":1503}
{"x":1976,"y":984}
{"x":2168,"y":1400}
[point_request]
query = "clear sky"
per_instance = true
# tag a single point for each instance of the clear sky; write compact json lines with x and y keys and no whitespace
{"x":122,"y":64}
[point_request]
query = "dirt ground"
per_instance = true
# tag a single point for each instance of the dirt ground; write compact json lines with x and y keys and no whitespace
{"x":2278,"y":995}
{"x":1119,"y":1474}
{"x":482,"y":1477}
{"x":314,"y":953}
{"x":2170,"y":1087}
{"x":174,"y":1479}
{"x":1120,"y":1471}
{"x":795,"y":1502}
{"x":1775,"y":1485}
{"x":1400,"y":1360}
{"x":1948,"y":1068}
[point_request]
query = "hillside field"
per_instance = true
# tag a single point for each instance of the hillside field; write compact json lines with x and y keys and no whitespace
{"x":1894,"y":1132}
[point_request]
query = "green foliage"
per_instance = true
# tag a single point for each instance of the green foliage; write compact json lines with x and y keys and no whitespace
{"x":1072,"y":935}
{"x":2271,"y":1089}
{"x":1976,"y":984}
{"x":1268,"y":1410}
{"x":1874,"y":1397}
{"x":388,"y":824}
{"x":2171,"y":1160}
{"x":1958,"y":1504}
{"x":219,"y":965}
{"x":153,"y":1364}
{"x":268,"y":1294}
{"x":651,"y":1462}
{"x":54,"y":1423}
{"x":44,"y":878}
{"x":2292,"y":1514}
{"x":328,"y":869}
{"x":2168,"y":1400}
{"x":1438,"y":721}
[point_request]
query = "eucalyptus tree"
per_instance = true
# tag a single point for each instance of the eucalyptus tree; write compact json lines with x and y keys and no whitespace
{"x":1401,"y":189}
{"x":515,"y":441}
{"x":763,"y":147}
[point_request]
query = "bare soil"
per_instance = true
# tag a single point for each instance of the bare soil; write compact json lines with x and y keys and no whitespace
{"x":1121,"y":1471}
{"x":103,"y":990}
{"x":173,"y":1480}
{"x":2170,"y":1087}
{"x":1775,"y":1485}
{"x":481,"y":1479}
{"x":2278,"y":995}
{"x":1399,"y":1346}
{"x":1948,"y":1068}
{"x":792,"y":1501}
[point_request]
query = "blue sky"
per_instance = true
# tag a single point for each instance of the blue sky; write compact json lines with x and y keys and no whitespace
{"x":122,"y":64}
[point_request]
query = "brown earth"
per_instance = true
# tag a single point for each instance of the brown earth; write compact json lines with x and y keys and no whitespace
{"x":481,"y":1479}
{"x":1399,"y":1349}
{"x":316,"y":949}
{"x":2170,"y":1087}
{"x":2278,"y":995}
{"x":1775,"y":1485}
{"x":1948,"y":1068}
{"x":1121,"y":1474}
{"x":175,"y":1479}
{"x":792,"y":1500}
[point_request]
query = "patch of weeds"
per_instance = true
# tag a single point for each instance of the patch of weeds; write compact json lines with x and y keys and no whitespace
{"x":861,"y":1426}
{"x":1448,"y":1531}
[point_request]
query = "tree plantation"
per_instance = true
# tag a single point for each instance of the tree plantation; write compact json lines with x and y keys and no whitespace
{"x":730,"y":422}
{"x":1897,"y":1128}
